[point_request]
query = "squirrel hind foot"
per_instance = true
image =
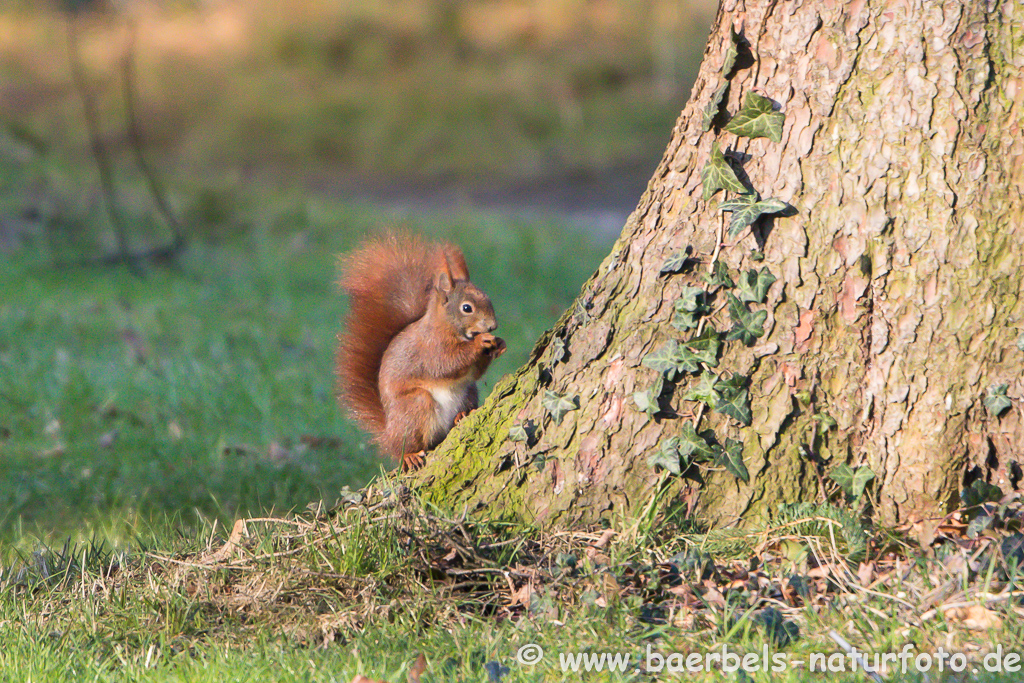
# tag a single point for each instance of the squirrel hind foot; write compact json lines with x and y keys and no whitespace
{"x":413,"y":461}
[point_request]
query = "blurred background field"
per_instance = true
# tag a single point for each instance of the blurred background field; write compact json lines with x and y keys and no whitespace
{"x":402,"y":99}
{"x":136,"y":404}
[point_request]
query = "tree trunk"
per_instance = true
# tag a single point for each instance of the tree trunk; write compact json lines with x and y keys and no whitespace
{"x":898,"y":302}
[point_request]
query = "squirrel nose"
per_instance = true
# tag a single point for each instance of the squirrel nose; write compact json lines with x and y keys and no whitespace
{"x":491,"y":327}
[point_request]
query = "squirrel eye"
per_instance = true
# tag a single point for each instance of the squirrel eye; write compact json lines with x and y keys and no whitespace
{"x":467,"y":308}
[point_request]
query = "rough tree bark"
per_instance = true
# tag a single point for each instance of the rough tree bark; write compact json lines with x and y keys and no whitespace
{"x":898,"y":301}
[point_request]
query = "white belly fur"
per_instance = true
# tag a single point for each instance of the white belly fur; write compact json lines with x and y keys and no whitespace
{"x":449,"y":400}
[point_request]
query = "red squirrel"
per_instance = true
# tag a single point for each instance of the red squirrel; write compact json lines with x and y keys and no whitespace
{"x":417,"y":337}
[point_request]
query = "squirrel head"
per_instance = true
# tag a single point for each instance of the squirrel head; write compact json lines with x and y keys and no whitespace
{"x":468,"y":309}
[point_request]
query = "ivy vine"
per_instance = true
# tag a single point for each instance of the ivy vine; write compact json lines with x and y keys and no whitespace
{"x":699,"y":351}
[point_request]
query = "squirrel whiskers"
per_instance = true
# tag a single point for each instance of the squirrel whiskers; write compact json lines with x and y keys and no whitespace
{"x":417,"y":337}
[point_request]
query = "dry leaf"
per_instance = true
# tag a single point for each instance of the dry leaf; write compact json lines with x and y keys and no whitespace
{"x":174,"y":430}
{"x":226,"y":550}
{"x":713,"y":596}
{"x":925,"y":532}
{"x":610,"y":588}
{"x":605,"y":537}
{"x":682,"y":591}
{"x":418,"y":667}
{"x":598,"y":558}
{"x":866,"y":573}
{"x":975,"y":617}
{"x":522,"y":595}
{"x":683,"y":618}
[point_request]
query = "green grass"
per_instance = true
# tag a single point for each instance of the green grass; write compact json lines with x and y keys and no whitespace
{"x":136,"y":405}
{"x":367,"y":587}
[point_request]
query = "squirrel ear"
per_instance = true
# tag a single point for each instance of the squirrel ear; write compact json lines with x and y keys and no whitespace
{"x":455,"y":262}
{"x":444,"y":283}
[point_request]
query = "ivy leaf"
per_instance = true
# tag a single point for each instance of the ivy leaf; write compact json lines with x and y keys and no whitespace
{"x":713,"y":106}
{"x":644,"y":402}
{"x":719,"y":276}
{"x":738,"y":203}
{"x":684,"y":320}
{"x":557,"y":350}
{"x":732,"y":460}
{"x":826,"y":421}
{"x":687,"y":360}
{"x":695,"y":447}
{"x":718,"y":175}
{"x":667,"y":456}
{"x":689,"y":307}
{"x":997,"y":401}
{"x":735,"y":382}
{"x":691,"y":299}
{"x":747,"y":325}
{"x":754,"y":285}
{"x":523,"y":432}
{"x":746,"y":209}
{"x":734,"y":399}
{"x":731,"y":52}
{"x":980,"y":524}
{"x":705,"y":346}
{"x":664,"y":360}
{"x":852,"y":481}
{"x":757,"y":119}
{"x":705,"y":391}
{"x":558,"y":405}
{"x":979,"y":493}
{"x":675,"y":263}
{"x":861,"y":476}
{"x":647,"y":401}
{"x":518,"y":434}
{"x":772,"y":205}
{"x":672,"y":360}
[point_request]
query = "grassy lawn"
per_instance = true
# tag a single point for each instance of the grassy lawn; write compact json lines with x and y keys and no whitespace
{"x":368,"y":587}
{"x":134,"y":405}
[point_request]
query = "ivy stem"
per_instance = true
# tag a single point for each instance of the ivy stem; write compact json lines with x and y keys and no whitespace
{"x":718,"y":244}
{"x":704,"y":319}
{"x":700,"y":414}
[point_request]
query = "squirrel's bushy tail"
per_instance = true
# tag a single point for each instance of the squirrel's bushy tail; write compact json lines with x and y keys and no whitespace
{"x":388,"y":280}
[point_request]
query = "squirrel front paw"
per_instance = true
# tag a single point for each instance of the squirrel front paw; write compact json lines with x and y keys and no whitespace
{"x":492,"y":346}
